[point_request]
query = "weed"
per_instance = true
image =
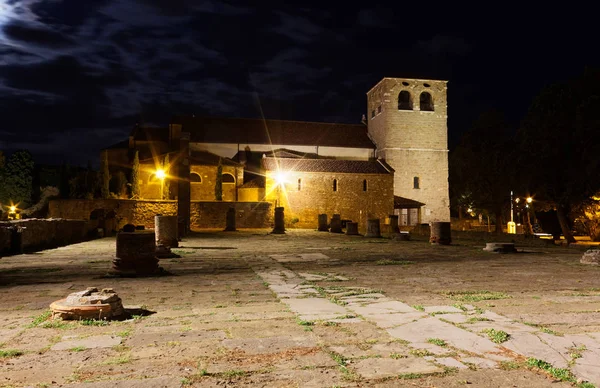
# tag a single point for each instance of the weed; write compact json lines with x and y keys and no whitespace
{"x":549,"y":331}
{"x":124,"y":359}
{"x":509,"y":365}
{"x":220,"y":306}
{"x":329,"y":323}
{"x":475,"y":296}
{"x":78,"y":349}
{"x":56,"y":324}
{"x":497,"y":336}
{"x":410,"y":376}
{"x":233,"y":373}
{"x":40,"y":318}
{"x":125,"y":333}
{"x":393,"y":262}
{"x":305,"y":323}
{"x":397,"y":356}
{"x":420,"y":352}
{"x":9,"y":353}
{"x":418,"y":307}
{"x":437,"y":341}
{"x":478,"y":319}
{"x":460,"y":306}
{"x":559,"y":373}
{"x":93,"y":322}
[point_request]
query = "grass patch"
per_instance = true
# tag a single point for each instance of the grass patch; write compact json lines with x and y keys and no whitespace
{"x":510,"y":365}
{"x":397,"y":356}
{"x":56,"y":324}
{"x":549,"y":331}
{"x":125,"y":333}
{"x":94,"y":322}
{"x":475,"y":296}
{"x":393,"y":262}
{"x":437,"y":341}
{"x":78,"y":349}
{"x":418,"y":307}
{"x":478,"y":319}
{"x":124,"y":359}
{"x":43,"y":317}
{"x":9,"y":353}
{"x":420,"y":352}
{"x":460,"y":307}
{"x":497,"y":336}
{"x":410,"y":376}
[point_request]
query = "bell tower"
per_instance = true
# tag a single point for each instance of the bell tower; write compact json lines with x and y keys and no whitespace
{"x":407,"y":120}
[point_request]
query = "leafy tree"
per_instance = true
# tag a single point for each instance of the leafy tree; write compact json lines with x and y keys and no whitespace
{"x":105,"y":174}
{"x":135,"y":177}
{"x":559,"y":142}
{"x":166,"y":183}
{"x":121,"y":184}
{"x":219,"y":182}
{"x":18,"y":174}
{"x":481,"y":170}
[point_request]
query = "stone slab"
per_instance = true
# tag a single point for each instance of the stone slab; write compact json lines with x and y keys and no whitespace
{"x":479,"y":362}
{"x":316,"y":307}
{"x":530,"y":345}
{"x":442,"y":309}
{"x":93,"y":342}
{"x":373,"y":368}
{"x":392,"y":306}
{"x":386,"y":321}
{"x":447,"y":361}
{"x":268,"y":344}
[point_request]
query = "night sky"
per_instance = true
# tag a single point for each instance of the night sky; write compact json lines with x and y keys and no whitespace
{"x":76,"y":75}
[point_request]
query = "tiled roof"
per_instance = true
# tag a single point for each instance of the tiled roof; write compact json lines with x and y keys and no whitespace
{"x":328,"y":165}
{"x":406,"y":203}
{"x":259,"y":131}
{"x":206,"y":158}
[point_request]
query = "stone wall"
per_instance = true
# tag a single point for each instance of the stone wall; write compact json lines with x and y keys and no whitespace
{"x":413,"y":142}
{"x":37,"y":234}
{"x":314,"y":195}
{"x":204,"y":214}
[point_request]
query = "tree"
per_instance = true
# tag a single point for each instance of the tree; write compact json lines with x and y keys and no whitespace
{"x":481,"y":170}
{"x":219,"y":182}
{"x":18,"y":175}
{"x":559,"y":142}
{"x":105,"y":173}
{"x":135,"y":177}
{"x":166,"y":183}
{"x":121,"y":185}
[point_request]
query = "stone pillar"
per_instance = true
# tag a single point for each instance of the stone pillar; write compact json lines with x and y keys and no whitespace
{"x":373,"y":228}
{"x":183,"y":185}
{"x":352,"y":228}
{"x":279,"y":221}
{"x":230,"y":220}
{"x":165,"y":228}
{"x":440,"y":233}
{"x":323,"y":223}
{"x":394,"y":227}
{"x":336,"y":224}
{"x":135,"y":254}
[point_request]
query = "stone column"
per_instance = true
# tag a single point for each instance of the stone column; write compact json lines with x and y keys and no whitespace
{"x":279,"y":221}
{"x":230,"y":220}
{"x":373,"y":228}
{"x":336,"y":224}
{"x":394,"y":227}
{"x":352,"y":228}
{"x":440,"y":233}
{"x":136,"y":254}
{"x":165,"y":228}
{"x":323,"y":223}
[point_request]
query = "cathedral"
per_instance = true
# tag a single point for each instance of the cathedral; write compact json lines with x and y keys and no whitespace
{"x":394,"y":162}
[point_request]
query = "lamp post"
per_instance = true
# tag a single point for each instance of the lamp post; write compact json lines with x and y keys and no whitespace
{"x":160,"y":174}
{"x":511,"y":226}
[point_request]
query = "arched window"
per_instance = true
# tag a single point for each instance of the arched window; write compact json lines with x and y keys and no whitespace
{"x":335,"y":187}
{"x":404,"y":101}
{"x":195,"y":178}
{"x":426,"y":102}
{"x":299,"y":184}
{"x":416,"y":182}
{"x":379,"y":109}
{"x":228,"y":178}
{"x":365,"y":185}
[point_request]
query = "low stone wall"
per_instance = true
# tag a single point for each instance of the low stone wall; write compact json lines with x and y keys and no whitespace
{"x":203,"y":214}
{"x":37,"y":234}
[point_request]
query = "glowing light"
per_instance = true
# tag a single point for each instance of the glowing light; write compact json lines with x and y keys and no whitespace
{"x":13,"y":209}
{"x":469,"y":210}
{"x":280,"y":177}
{"x":529,"y":199}
{"x":517,"y":200}
{"x":160,"y":174}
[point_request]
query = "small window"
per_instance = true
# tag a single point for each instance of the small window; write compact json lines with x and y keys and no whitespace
{"x":379,"y":109}
{"x":405,"y":83}
{"x":404,"y":101}
{"x":373,"y":113}
{"x":426,"y":102}
{"x":299,"y":184}
{"x":365,"y":185}
{"x":335,"y":186}
{"x":416,"y":182}
{"x":228,"y":178}
{"x":195,"y":178}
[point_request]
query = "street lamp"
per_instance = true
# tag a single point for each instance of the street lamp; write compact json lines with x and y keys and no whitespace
{"x":511,"y":226}
{"x":160,"y":174}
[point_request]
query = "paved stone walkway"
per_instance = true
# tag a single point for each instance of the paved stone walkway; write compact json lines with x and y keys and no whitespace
{"x":451,"y":336}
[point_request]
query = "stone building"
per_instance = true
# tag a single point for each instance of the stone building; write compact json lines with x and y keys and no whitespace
{"x":396,"y":160}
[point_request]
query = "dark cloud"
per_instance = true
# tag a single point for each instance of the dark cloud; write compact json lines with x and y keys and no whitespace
{"x":36,"y":36}
{"x":376,"y":18}
{"x":66,"y":15}
{"x":297,"y":28}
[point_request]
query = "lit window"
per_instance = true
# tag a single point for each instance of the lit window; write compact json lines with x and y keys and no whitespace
{"x":416,"y":182}
{"x":335,"y":186}
{"x":228,"y":178}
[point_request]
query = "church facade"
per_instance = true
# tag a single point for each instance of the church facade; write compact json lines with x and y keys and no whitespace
{"x":395,"y":161}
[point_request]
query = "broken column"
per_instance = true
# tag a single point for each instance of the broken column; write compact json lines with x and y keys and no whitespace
{"x":230,"y":220}
{"x":336,"y":224}
{"x":136,"y":254}
{"x":352,"y":228}
{"x":165,"y":228}
{"x":373,"y":228}
{"x":279,"y":221}
{"x":89,"y":304}
{"x":323,"y":227}
{"x":440,"y":233}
